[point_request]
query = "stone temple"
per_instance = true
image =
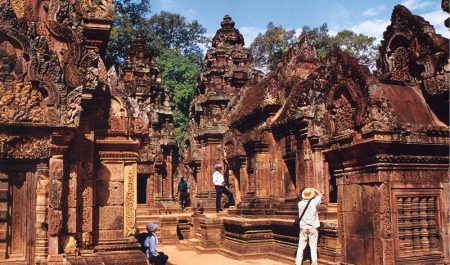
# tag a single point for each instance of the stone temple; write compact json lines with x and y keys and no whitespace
{"x":88,"y":154}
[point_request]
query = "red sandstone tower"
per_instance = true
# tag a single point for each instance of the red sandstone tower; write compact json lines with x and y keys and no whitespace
{"x":228,"y":67}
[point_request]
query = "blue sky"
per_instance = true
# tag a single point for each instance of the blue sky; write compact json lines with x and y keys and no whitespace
{"x":251,"y":16}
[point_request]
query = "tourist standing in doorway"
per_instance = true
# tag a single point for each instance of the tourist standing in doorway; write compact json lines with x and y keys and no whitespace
{"x":183,"y":188}
{"x":219,"y":183}
{"x":157,"y":258}
{"x":307,"y":210}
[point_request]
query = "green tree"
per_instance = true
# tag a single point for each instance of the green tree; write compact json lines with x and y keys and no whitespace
{"x":173,"y":41}
{"x":268,"y":48}
{"x":130,"y":17}
{"x":317,"y":38}
{"x":179,"y":73}
{"x":172,"y":31}
{"x":360,"y":45}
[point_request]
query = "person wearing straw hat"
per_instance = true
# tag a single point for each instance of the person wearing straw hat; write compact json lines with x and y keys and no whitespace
{"x":219,"y":183}
{"x":155,"y":257}
{"x":307,"y":210}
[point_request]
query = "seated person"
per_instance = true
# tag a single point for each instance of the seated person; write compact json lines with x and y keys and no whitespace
{"x":155,"y":257}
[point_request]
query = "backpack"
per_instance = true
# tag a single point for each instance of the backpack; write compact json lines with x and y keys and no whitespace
{"x":183,"y":186}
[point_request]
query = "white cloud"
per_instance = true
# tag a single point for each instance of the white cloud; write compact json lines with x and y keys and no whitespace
{"x":436,"y":18}
{"x":250,"y":33}
{"x":376,"y":27}
{"x":371,"y":12}
{"x":417,"y":5}
{"x":371,"y":28}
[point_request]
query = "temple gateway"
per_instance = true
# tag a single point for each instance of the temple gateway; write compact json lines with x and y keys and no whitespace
{"x":88,"y":154}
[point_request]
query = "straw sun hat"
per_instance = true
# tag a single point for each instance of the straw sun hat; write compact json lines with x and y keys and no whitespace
{"x":308,"y":194}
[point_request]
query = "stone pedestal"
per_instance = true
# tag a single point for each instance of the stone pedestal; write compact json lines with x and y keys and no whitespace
{"x":211,"y":234}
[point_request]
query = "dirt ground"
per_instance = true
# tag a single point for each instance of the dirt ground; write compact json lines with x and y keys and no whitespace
{"x":177,"y":257}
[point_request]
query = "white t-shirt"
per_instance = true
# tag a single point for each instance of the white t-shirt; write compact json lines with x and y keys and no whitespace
{"x":311,"y":217}
{"x":150,"y":243}
{"x":218,"y":179}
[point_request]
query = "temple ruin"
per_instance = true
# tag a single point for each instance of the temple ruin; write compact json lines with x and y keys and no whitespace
{"x":88,"y":155}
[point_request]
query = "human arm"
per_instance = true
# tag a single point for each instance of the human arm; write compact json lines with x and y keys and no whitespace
{"x":318,"y":197}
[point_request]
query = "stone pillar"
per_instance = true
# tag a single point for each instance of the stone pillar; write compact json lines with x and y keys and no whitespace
{"x":262,"y":174}
{"x":3,"y":214}
{"x":109,"y":204}
{"x":261,"y":171}
{"x":116,"y":200}
{"x":130,"y":198}
{"x":42,"y":176}
{"x":85,"y":193}
{"x":243,"y":177}
{"x":211,"y":155}
{"x":55,"y":211}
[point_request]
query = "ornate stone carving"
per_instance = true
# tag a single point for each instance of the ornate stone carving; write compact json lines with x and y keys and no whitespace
{"x":413,"y":54}
{"x":98,"y":9}
{"x":24,"y":147}
{"x":130,"y":200}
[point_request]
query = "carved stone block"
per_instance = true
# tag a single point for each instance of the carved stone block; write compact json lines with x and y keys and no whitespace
{"x":110,"y":217}
{"x":55,"y":222}
{"x":86,"y":218}
{"x":72,"y":196}
{"x":72,"y":220}
{"x":109,"y":193}
{"x":109,"y":234}
{"x":111,"y":172}
{"x":55,"y":194}
{"x":87,"y":194}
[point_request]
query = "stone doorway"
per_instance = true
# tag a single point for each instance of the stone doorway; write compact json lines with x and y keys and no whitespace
{"x":18,"y":216}
{"x":142,"y":189}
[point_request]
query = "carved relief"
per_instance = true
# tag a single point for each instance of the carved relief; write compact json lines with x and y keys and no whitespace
{"x":342,"y":112}
{"x":130,"y":199}
{"x":98,"y":9}
{"x":411,"y":53}
{"x":24,"y":147}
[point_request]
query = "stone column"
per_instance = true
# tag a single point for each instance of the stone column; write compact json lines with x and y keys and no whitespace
{"x":262,"y":170}
{"x":3,"y":214}
{"x":130,"y":198}
{"x":55,"y":211}
{"x":116,"y":200}
{"x":109,"y":204}
{"x":41,"y":243}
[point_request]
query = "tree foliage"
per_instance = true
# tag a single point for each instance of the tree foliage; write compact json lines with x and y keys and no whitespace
{"x":268,"y":48}
{"x":360,"y":45}
{"x":161,"y":31}
{"x":317,"y":38}
{"x":179,"y":74}
{"x":129,"y":19}
{"x":174,"y":43}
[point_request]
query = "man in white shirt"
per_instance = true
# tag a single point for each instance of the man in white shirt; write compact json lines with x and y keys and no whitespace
{"x":308,"y":224}
{"x":157,"y":258}
{"x":219,"y":183}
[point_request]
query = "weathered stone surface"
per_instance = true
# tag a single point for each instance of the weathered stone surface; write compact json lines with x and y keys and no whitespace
{"x":110,"y":217}
{"x":228,"y":68}
{"x":75,"y":137}
{"x":109,"y":193}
